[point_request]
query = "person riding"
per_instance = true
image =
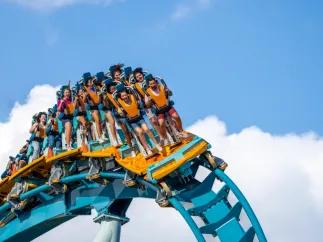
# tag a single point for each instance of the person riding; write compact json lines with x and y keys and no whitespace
{"x":157,"y":96}
{"x":80,"y":100}
{"x":130,"y":108}
{"x":54,"y":139}
{"x":107,"y":108}
{"x":116,"y":73}
{"x":94,"y":101}
{"x":10,"y":168}
{"x":66,"y":110}
{"x":138,"y":82}
{"x":110,"y":86}
{"x":38,"y":132}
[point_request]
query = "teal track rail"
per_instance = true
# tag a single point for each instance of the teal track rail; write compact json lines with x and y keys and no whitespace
{"x":221,"y":219}
{"x":246,"y":206}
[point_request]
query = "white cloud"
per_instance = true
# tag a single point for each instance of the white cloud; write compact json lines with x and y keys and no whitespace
{"x":281,"y":177}
{"x":188,"y":8}
{"x":55,"y":4}
{"x":14,"y":132}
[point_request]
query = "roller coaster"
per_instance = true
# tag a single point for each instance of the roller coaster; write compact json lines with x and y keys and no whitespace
{"x":98,"y":174}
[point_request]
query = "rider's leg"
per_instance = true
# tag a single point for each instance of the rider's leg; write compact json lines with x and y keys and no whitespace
{"x":162,"y":126}
{"x":68,"y":134}
{"x":112,"y":124}
{"x":177,"y":120}
{"x":141,"y":135}
{"x":96,"y":118}
{"x":51,"y":144}
{"x":126,"y":133}
{"x":153,"y":120}
{"x":36,"y":149}
{"x":150,"y":134}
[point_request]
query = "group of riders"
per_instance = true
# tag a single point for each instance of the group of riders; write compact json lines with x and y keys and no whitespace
{"x":92,"y":110}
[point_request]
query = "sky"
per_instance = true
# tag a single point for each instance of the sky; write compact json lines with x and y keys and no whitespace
{"x":248,"y":62}
{"x":245,"y":74}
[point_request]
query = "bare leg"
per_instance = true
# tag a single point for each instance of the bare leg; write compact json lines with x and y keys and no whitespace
{"x":178,"y":122}
{"x":68,"y":134}
{"x":126,"y":133}
{"x":142,"y":138}
{"x":112,"y":123}
{"x":149,"y":133}
{"x":155,"y":124}
{"x":96,"y":118}
{"x":162,"y":126}
{"x":82,"y":121}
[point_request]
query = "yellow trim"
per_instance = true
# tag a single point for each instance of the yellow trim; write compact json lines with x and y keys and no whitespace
{"x":170,"y":167}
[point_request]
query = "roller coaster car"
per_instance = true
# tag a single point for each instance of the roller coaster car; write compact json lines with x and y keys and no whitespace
{"x":162,"y":164}
{"x":38,"y":168}
{"x":154,"y":169}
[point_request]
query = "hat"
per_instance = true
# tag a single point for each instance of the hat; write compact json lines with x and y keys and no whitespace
{"x":86,"y":76}
{"x":149,"y":77}
{"x":100,"y":76}
{"x":127,"y":71}
{"x":138,"y":70}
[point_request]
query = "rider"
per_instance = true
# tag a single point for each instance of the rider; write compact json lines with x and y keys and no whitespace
{"x":110,"y":91}
{"x":94,"y":101}
{"x":138,"y":82}
{"x":80,"y":99}
{"x":54,"y":139}
{"x":107,"y":107}
{"x":38,"y":132}
{"x":10,"y":169}
{"x":157,"y":95}
{"x":116,"y":73}
{"x":66,"y":109}
{"x":130,"y":108}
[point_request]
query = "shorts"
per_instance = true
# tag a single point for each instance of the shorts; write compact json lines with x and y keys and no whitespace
{"x":64,"y":121}
{"x":170,"y":111}
{"x":137,"y":123}
{"x":80,"y":113}
{"x":149,"y":113}
{"x":94,"y":108}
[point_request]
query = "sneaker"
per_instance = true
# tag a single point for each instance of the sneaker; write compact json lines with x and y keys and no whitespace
{"x":185,"y":135}
{"x":159,"y":148}
{"x":149,"y":152}
{"x":133,"y":153}
{"x":165,"y":142}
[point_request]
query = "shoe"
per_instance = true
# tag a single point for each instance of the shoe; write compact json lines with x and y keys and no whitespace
{"x":165,"y":142}
{"x":185,"y":135}
{"x":149,"y":152}
{"x":159,"y":148}
{"x":133,"y":153}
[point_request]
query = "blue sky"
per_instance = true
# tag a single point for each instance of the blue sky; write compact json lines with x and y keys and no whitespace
{"x":248,"y":62}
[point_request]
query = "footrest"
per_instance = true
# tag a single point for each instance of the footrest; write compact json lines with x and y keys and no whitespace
{"x":234,"y":213}
{"x":223,"y":193}
{"x":230,"y":231}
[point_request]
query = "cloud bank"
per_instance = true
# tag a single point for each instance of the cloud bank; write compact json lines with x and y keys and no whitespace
{"x":55,"y":4}
{"x":281,"y":176}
